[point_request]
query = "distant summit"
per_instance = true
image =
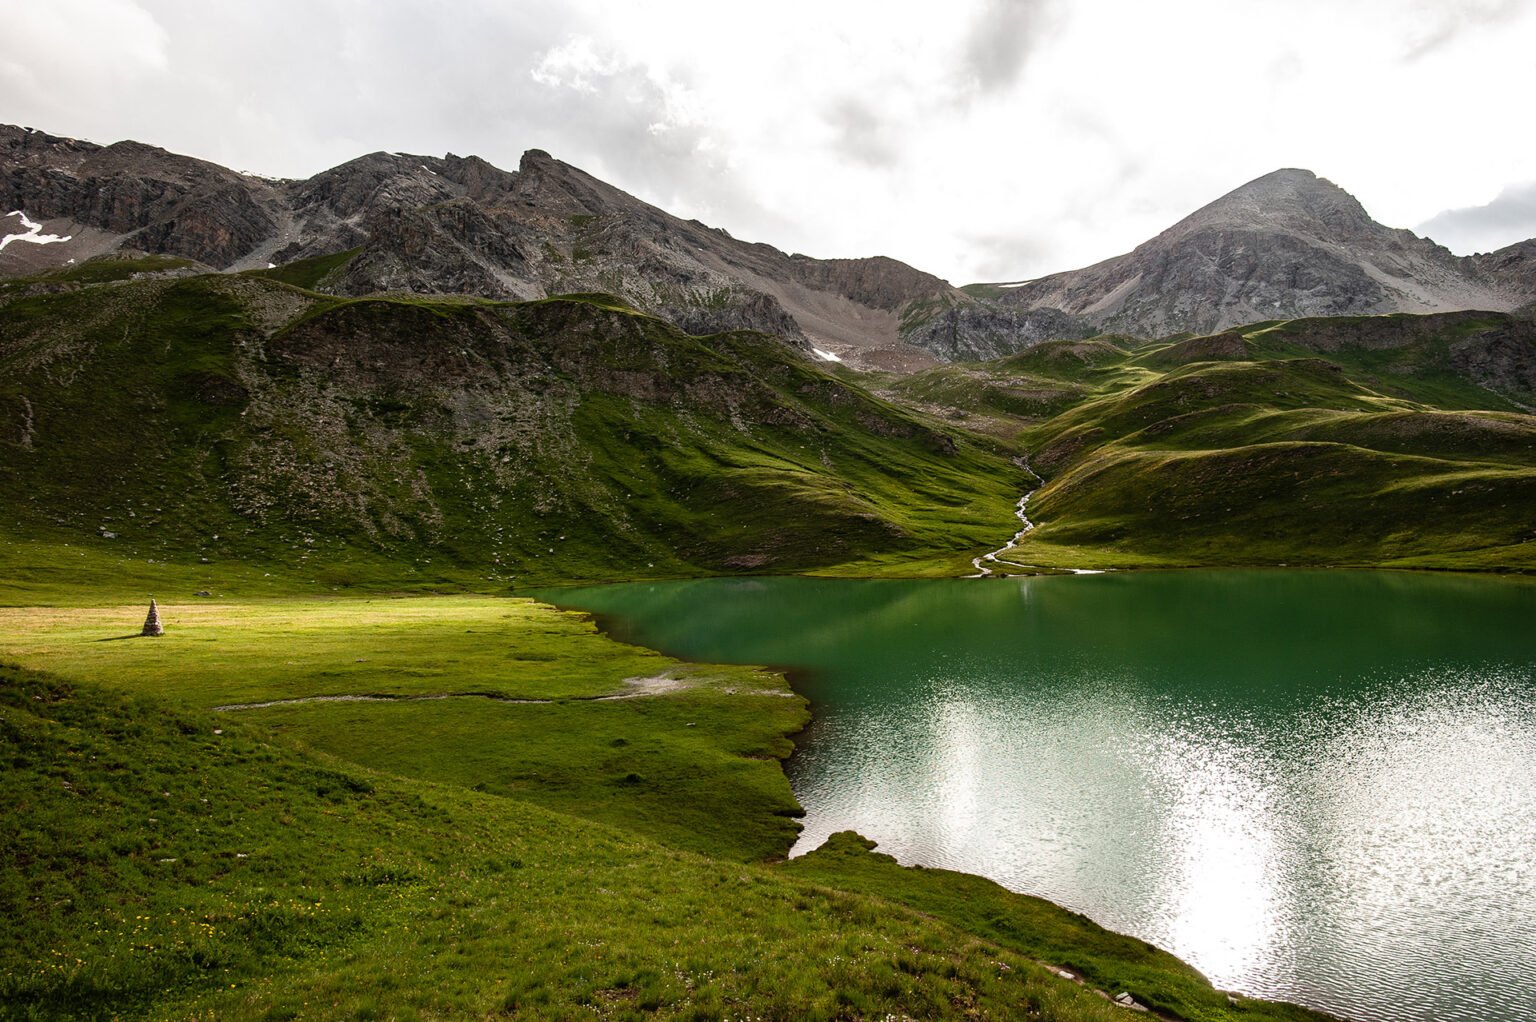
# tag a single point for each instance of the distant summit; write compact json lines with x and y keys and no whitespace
{"x":1289,"y":244}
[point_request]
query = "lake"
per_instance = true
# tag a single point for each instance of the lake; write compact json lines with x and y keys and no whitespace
{"x":1314,"y":786}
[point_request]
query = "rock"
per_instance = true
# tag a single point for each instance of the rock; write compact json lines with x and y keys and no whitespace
{"x":152,"y":625}
{"x":202,"y":592}
{"x":976,"y":331}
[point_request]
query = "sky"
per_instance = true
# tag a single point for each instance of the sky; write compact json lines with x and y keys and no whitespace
{"x":974,"y":139}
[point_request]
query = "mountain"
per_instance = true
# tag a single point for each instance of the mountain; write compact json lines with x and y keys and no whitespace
{"x":1287,"y":245}
{"x":456,"y":225}
{"x":236,"y":418}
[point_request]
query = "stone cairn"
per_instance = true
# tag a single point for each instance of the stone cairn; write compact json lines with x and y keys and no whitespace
{"x":152,"y":625}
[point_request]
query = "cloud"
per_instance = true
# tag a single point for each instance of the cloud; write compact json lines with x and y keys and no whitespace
{"x":860,"y":133}
{"x":1000,"y":257}
{"x":575,"y":64}
{"x":639,"y":128}
{"x":1001,"y":39}
{"x":1509,"y":218}
{"x":54,"y":66}
{"x":1447,"y":20}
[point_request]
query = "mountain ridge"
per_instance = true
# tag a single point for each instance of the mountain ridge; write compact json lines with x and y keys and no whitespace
{"x":455,"y":225}
{"x":1286,"y":245}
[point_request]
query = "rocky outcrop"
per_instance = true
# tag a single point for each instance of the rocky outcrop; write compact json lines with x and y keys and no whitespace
{"x":1493,"y":350}
{"x":1512,"y":268}
{"x":978,"y":330}
{"x":147,"y":198}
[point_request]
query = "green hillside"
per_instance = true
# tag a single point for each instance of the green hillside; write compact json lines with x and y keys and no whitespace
{"x":218,"y":420}
{"x":1394,"y":440}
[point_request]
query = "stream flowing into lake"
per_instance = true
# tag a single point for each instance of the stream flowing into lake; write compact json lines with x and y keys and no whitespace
{"x":1314,"y":786}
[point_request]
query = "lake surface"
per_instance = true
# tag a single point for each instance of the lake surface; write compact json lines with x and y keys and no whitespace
{"x":1313,"y":786}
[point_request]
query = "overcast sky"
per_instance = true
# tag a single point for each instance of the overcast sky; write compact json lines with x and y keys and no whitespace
{"x":976,"y":139}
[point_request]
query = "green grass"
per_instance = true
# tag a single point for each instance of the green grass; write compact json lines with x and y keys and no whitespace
{"x":1364,"y":441}
{"x":1032,"y":927}
{"x":173,"y":864}
{"x":701,"y":760}
{"x":310,"y":274}
{"x":108,"y":269}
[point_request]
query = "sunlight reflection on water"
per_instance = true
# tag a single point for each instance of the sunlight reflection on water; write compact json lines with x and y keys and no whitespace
{"x":1315,"y":860}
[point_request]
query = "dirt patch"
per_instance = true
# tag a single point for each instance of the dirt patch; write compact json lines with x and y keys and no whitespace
{"x":655,"y":685}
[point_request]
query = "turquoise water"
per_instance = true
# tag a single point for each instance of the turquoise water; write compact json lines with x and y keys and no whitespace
{"x":1314,"y":786}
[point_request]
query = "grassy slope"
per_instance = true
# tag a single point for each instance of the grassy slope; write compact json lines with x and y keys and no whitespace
{"x":162,"y":869}
{"x":1033,"y":927}
{"x":417,"y":443}
{"x":544,"y":860}
{"x":573,"y":754}
{"x":1362,"y":442}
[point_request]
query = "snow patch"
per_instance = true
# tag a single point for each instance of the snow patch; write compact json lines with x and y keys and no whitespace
{"x":1017,"y":283}
{"x":34,"y":233}
{"x":826,"y":356}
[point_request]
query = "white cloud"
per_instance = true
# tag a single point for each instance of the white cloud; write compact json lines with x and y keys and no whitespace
{"x":575,"y":64}
{"x":1509,"y":218}
{"x":65,"y":55}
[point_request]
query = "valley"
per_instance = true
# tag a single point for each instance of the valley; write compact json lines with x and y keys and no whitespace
{"x":356,"y":432}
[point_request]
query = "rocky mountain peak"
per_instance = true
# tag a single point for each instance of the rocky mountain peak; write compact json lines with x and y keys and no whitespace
{"x":561,"y":189}
{"x":1286,"y":245}
{"x":1292,"y":200}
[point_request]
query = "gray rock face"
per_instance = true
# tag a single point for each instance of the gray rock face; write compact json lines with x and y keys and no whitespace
{"x":1287,"y":245}
{"x":978,"y":330}
{"x":1512,"y":268}
{"x":456,"y":225}
{"x":148,"y":198}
